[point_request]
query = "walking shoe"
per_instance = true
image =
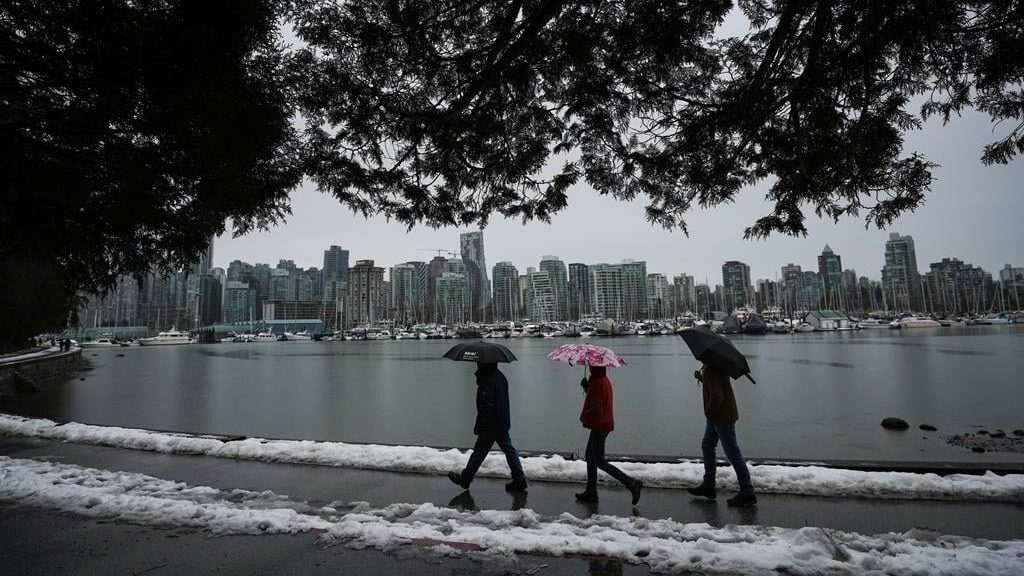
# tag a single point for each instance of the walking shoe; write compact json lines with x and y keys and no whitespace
{"x":457,"y":478}
{"x":702,"y":490}
{"x":587,"y":496}
{"x":635,"y":489}
{"x":516,"y":485}
{"x":742,"y":500}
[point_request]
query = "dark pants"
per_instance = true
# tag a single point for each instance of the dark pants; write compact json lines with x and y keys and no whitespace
{"x":484,"y":441}
{"x":726,"y":431}
{"x":595,"y":459}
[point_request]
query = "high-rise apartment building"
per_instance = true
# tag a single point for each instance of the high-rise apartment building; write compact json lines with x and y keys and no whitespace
{"x":366,"y":300}
{"x":334,"y":274}
{"x":559,"y":281}
{"x":901,"y":281}
{"x":953,"y":287}
{"x":735,"y":285}
{"x":579,"y":291}
{"x":472,"y":245}
{"x":505,"y":281}
{"x":540,"y":296}
{"x":830,"y":269}
{"x":659,"y":296}
{"x":606,"y":291}
{"x":684,"y":294}
{"x":634,"y":289}
{"x":452,"y":293}
{"x":408,"y":281}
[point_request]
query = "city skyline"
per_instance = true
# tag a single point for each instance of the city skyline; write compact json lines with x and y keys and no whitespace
{"x":972,"y":214}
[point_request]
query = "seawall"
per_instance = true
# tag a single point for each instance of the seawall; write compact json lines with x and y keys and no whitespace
{"x":22,"y":376}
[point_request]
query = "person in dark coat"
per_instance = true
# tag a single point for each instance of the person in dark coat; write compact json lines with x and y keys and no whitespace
{"x":492,"y":425}
{"x":598,"y":416}
{"x":721,"y":413}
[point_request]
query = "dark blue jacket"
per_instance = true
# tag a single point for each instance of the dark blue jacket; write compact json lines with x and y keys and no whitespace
{"x":491,"y":400}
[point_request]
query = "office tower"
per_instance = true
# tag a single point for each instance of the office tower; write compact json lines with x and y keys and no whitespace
{"x":559,"y":285}
{"x":407,"y":292}
{"x":579,"y":291}
{"x":830,"y":269}
{"x":472,"y":245}
{"x":505,"y":281}
{"x":452,"y":293}
{"x":735,"y":285}
{"x":901,"y":281}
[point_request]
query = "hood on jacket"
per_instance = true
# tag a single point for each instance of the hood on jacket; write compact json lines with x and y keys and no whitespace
{"x":484,"y":370}
{"x":598,"y":371}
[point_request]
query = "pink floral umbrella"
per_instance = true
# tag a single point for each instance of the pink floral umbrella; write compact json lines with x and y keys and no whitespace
{"x":586,"y":354}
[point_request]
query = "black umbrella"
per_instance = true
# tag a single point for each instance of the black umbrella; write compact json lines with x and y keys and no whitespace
{"x":716,"y":350}
{"x":480,"y":351}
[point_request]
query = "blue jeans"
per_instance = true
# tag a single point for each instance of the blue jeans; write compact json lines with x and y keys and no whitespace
{"x":595,"y":459}
{"x":483,"y":444}
{"x":726,"y":431}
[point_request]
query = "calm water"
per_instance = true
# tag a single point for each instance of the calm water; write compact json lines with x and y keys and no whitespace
{"x":819,"y":396}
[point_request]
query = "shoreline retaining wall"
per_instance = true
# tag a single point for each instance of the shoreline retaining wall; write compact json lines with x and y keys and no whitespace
{"x":22,"y":377}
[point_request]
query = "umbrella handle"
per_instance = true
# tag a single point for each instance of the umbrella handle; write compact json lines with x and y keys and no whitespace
{"x":749,"y":377}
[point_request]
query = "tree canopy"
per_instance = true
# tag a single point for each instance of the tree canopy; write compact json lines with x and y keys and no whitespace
{"x":131,"y":131}
{"x":447,"y":111}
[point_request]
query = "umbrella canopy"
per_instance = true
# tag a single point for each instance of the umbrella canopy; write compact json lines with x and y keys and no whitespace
{"x":717,"y":351}
{"x":482,"y":352}
{"x":587,"y":354}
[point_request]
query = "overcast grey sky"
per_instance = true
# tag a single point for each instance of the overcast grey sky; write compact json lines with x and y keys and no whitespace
{"x":974,"y":213}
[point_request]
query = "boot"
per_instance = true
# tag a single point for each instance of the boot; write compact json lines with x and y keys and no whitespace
{"x":516,"y":485}
{"x":742,"y":500}
{"x":587,"y":495}
{"x":457,"y":478}
{"x":702,"y":490}
{"x":635,"y":489}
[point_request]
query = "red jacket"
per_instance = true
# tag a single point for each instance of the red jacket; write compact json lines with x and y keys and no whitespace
{"x":597,"y":407}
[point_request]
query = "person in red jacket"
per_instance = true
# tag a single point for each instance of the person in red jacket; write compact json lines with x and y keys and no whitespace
{"x":597,"y":415}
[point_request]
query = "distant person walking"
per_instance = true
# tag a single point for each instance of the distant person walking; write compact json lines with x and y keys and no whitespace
{"x":598,"y":416}
{"x":721,"y":413}
{"x":492,"y":425}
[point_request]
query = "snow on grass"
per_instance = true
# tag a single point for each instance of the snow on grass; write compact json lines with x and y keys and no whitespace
{"x":779,"y":479}
{"x":665,"y":545}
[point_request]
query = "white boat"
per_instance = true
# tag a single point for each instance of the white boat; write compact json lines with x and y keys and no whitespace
{"x":804,"y":327}
{"x":264,"y":337}
{"x":304,"y":335}
{"x":406,"y":335}
{"x":918,"y":322}
{"x":874,"y":323}
{"x":101,"y":342}
{"x":171,"y":337}
{"x":781,"y":327}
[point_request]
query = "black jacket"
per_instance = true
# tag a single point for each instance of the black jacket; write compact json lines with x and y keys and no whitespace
{"x":492,"y":413}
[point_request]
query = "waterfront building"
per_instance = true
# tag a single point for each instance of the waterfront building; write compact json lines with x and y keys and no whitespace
{"x":540,"y":296}
{"x":901,"y":281}
{"x":334,"y":274}
{"x":684,"y":296}
{"x":606,"y":285}
{"x":524,"y":284}
{"x":301,"y":311}
{"x":659,"y":296}
{"x":559,"y":281}
{"x":211,"y":296}
{"x":472,"y":245}
{"x":408,"y":281}
{"x":1011,"y":281}
{"x":579,"y":291}
{"x":366,"y":301}
{"x":452,"y":294}
{"x":239,"y":302}
{"x":810,"y":291}
{"x":830,"y":269}
{"x":434,"y":269}
{"x":953,"y":287}
{"x":790,"y":285}
{"x":768,"y":295}
{"x":505,"y":280}
{"x":634,"y":289}
{"x":735,"y":285}
{"x":282,"y":287}
{"x":702,"y":304}
{"x":851,"y":295}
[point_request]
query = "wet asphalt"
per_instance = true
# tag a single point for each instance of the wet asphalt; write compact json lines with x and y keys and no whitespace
{"x":35,"y":541}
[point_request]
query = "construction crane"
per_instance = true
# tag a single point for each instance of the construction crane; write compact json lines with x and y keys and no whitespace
{"x":441,"y":251}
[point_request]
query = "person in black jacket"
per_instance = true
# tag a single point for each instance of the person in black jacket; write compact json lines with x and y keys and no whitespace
{"x":492,"y":425}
